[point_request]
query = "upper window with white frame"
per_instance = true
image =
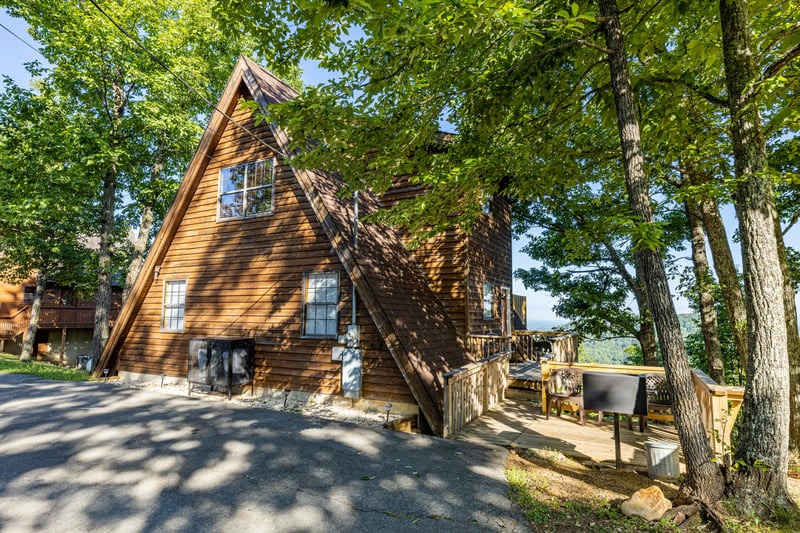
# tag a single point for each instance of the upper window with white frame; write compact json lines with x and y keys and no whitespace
{"x":173,"y":310}
{"x":488,"y":301}
{"x":321,"y":304}
{"x":246,"y":190}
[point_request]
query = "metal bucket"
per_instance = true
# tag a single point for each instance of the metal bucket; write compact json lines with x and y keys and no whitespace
{"x":662,"y":460}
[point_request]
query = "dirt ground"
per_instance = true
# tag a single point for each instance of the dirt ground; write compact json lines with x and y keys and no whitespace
{"x":569,"y":496}
{"x":561,"y":477}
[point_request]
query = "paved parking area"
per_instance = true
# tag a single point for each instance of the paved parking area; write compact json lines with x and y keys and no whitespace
{"x":95,"y":457}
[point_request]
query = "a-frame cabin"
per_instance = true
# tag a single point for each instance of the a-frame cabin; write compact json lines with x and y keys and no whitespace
{"x":254,"y":248}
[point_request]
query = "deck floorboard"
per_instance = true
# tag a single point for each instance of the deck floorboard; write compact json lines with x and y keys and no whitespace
{"x":520,"y":423}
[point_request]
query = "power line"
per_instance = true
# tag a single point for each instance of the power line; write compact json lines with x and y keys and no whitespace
{"x":184,"y":82}
{"x":23,"y":41}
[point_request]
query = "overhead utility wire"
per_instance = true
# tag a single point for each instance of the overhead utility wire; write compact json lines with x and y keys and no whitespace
{"x":23,"y":41}
{"x":184,"y":82}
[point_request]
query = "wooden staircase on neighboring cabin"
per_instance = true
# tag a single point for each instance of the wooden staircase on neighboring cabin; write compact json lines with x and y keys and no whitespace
{"x":15,"y":325}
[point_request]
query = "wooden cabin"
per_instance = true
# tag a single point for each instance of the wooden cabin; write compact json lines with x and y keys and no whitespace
{"x":66,"y":321}
{"x":255,"y":249}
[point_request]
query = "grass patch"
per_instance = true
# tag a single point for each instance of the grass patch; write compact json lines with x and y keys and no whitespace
{"x":10,"y":364}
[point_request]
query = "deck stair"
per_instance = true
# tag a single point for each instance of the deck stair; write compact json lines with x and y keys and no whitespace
{"x":15,"y":325}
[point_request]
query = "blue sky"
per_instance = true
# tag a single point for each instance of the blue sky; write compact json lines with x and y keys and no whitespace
{"x":16,"y":54}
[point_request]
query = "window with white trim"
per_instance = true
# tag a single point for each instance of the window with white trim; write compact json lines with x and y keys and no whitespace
{"x":321,"y":304}
{"x":246,"y":190}
{"x":488,"y":301}
{"x":173,"y":311}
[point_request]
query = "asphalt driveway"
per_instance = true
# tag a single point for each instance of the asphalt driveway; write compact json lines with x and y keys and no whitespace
{"x":97,"y":457}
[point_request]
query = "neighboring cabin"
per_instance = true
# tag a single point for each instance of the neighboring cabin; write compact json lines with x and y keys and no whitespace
{"x":253,"y":248}
{"x":66,"y":321}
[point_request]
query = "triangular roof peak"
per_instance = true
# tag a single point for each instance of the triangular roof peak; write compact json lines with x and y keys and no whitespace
{"x":411,"y":320}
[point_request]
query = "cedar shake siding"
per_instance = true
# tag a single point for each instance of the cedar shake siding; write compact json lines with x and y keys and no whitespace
{"x":245,"y":278}
{"x":489,"y":251}
{"x":457,"y":265}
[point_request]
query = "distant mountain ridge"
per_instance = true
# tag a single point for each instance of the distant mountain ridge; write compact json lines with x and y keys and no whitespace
{"x":548,"y":325}
{"x":612,"y":351}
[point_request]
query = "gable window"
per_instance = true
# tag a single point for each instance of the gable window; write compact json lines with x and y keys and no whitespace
{"x":321,"y":304}
{"x":488,"y":301}
{"x":246,"y":190}
{"x":173,"y":309}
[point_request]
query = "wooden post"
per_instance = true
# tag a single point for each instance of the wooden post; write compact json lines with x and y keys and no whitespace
{"x":616,"y":441}
{"x":61,"y":356}
{"x":545,"y":369}
{"x":486,"y":384}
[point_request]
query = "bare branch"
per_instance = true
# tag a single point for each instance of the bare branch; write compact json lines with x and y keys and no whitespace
{"x":779,"y":64}
{"x":672,"y":180}
{"x":610,"y":338}
{"x":620,"y":264}
{"x":792,"y":222}
{"x":590,"y":44}
{"x":692,"y":172}
{"x":716,"y":100}
{"x":785,"y":33}
{"x":643,"y":17}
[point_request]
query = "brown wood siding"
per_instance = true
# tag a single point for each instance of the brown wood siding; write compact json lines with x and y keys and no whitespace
{"x":245,"y":278}
{"x":489,"y":262}
{"x":442,"y":259}
{"x":11,"y":297}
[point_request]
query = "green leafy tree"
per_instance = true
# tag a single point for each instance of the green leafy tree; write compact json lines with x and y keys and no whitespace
{"x":44,"y":198}
{"x":764,"y":428}
{"x":509,"y":78}
{"x":142,"y":124}
{"x":695,"y":345}
{"x":586,"y":251}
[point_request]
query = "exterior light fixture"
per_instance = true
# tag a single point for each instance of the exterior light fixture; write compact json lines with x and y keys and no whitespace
{"x":285,"y":397}
{"x":388,"y":410}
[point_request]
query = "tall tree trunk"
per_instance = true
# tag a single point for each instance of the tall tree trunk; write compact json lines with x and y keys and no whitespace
{"x":146,"y":222}
{"x":103,"y":295}
{"x":704,"y":478}
{"x":647,"y":330}
{"x":647,"y":339}
{"x":33,"y":324}
{"x":139,"y":249}
{"x":792,"y":341}
{"x":646,"y":335}
{"x":727,"y":275}
{"x":708,"y":316}
{"x":764,"y":423}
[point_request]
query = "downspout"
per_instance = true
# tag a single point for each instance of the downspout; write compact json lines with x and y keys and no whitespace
{"x":355,"y":247}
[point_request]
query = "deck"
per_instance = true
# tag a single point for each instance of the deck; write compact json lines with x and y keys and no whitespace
{"x":520,"y":423}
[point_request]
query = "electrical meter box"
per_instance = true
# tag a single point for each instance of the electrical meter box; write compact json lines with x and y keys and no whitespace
{"x":220,"y":362}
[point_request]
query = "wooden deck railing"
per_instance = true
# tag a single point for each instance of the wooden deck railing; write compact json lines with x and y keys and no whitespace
{"x":719,"y":405}
{"x":13,"y":325}
{"x":472,"y":390}
{"x":482,"y":346}
{"x":51,"y":317}
{"x":531,"y":345}
{"x":69,"y":317}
